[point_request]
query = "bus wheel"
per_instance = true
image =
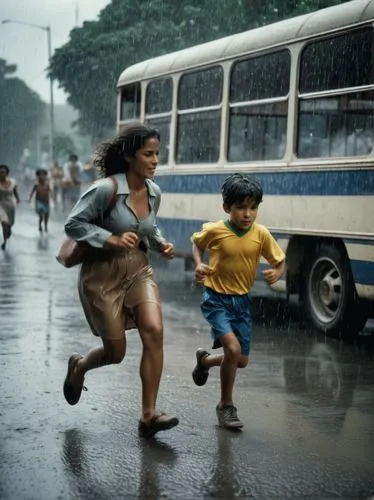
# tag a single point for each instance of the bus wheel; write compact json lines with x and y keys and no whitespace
{"x":329,"y":293}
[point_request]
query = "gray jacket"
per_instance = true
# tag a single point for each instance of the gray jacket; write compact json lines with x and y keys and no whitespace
{"x":86,"y":220}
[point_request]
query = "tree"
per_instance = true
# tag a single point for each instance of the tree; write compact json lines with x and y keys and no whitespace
{"x":21,"y":114}
{"x":89,"y":64}
{"x":63,"y":145}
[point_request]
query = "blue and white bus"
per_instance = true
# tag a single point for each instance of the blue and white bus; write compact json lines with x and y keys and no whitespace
{"x":291,"y":103}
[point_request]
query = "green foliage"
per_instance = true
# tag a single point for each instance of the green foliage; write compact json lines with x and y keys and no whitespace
{"x":21,"y":112}
{"x":63,"y":145}
{"x":129,"y":31}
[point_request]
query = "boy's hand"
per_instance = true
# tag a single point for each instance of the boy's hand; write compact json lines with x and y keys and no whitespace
{"x":167,"y":250}
{"x":272,"y":275}
{"x":201,"y":272}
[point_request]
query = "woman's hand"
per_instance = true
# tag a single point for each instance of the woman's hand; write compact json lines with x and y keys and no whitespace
{"x":167,"y":250}
{"x":125,"y":240}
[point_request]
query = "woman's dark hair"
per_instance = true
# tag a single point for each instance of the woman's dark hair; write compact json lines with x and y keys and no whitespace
{"x":4,"y":167}
{"x":238,"y":187}
{"x":110,"y":156}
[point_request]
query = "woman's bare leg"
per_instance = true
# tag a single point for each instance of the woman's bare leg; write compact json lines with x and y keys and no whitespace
{"x":148,"y":318}
{"x":111,"y":352}
{"x":6,"y":233}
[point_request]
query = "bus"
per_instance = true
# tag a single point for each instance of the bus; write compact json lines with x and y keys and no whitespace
{"x":292,"y":104}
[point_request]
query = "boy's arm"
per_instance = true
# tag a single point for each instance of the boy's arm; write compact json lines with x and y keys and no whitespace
{"x":272,"y":275}
{"x":32,"y":193}
{"x":200,"y":242}
{"x":275,"y":256}
{"x":197,"y":254}
{"x":201,"y":270}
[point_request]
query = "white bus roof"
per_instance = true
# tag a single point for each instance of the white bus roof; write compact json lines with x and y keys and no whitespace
{"x":282,"y":32}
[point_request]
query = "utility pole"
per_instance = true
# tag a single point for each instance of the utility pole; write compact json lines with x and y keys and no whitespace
{"x":51,"y":102}
{"x":76,"y":13}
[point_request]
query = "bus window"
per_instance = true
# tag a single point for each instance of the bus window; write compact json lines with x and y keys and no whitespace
{"x":162,"y":124}
{"x":261,"y":77}
{"x":158,"y":103}
{"x":159,"y":96}
{"x":336,"y":126}
{"x":201,"y":88}
{"x":130,"y":102}
{"x":198,"y":137}
{"x":198,"y":132}
{"x":337,"y":63}
{"x":342,"y":124}
{"x":258,"y":130}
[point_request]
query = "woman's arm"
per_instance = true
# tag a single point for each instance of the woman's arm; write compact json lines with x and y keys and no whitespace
{"x":16,"y":195}
{"x":81,"y":222}
{"x":155,"y":238}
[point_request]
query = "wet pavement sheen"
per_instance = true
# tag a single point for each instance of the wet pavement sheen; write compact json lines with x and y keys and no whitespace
{"x":307,"y":402}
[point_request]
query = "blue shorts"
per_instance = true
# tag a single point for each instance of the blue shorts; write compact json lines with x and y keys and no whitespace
{"x":41,"y":207}
{"x":227,"y":314}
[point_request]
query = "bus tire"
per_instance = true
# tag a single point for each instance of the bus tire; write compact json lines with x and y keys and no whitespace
{"x":330,"y":298}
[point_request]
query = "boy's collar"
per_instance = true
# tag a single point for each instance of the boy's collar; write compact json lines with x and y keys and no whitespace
{"x":236,"y":230}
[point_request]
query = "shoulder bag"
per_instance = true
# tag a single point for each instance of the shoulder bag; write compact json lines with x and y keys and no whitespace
{"x":74,"y":252}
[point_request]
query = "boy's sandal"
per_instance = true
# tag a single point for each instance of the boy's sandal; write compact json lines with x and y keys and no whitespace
{"x":157,"y":423}
{"x":72,"y":393}
{"x":200,"y":373}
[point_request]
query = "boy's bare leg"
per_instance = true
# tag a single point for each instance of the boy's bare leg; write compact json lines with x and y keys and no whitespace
{"x":46,"y":217}
{"x":205,"y":361}
{"x":40,"y":222}
{"x":226,"y":411}
{"x":212,"y":360}
{"x":229,"y":365}
{"x":216,"y":359}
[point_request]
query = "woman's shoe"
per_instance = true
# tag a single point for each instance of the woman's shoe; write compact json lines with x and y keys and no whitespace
{"x":157,"y":423}
{"x":72,"y":393}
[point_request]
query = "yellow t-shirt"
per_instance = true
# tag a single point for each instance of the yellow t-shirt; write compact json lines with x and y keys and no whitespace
{"x":234,"y":256}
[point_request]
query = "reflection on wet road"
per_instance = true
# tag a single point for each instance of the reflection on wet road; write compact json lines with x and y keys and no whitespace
{"x":307,"y":402}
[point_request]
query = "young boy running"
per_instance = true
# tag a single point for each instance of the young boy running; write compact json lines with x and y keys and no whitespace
{"x":235,"y":247}
{"x":43,"y":193}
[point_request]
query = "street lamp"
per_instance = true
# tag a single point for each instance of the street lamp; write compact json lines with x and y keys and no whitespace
{"x":47,"y":29}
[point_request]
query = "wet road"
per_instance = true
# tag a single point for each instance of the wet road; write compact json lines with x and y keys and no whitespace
{"x":307,"y":402}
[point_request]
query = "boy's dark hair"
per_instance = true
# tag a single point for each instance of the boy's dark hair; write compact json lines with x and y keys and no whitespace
{"x":6,"y":168}
{"x":41,"y":171}
{"x":73,"y":157}
{"x":238,"y":187}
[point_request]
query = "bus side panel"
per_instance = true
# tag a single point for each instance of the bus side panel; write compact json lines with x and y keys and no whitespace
{"x":361,"y":255}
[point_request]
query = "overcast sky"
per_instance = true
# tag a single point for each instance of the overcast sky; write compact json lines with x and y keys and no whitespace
{"x":27,"y":47}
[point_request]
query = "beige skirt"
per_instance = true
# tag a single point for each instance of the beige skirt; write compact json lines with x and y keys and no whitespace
{"x":111,"y":286}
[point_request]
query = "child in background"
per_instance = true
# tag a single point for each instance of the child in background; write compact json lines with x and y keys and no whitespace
{"x":43,"y":193}
{"x":235,"y":247}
